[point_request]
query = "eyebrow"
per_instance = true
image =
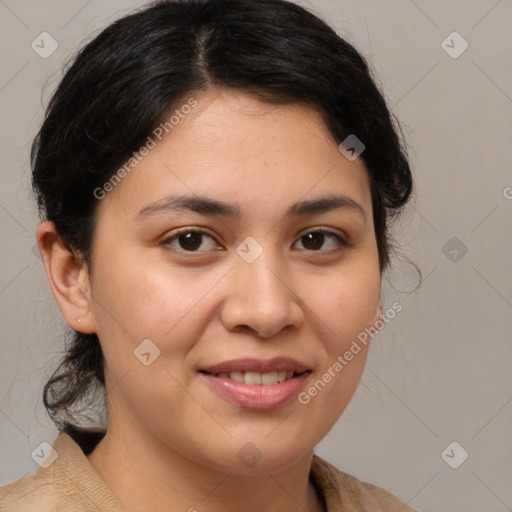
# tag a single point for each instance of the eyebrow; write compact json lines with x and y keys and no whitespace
{"x":207,"y":206}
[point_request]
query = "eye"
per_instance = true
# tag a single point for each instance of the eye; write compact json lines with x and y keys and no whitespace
{"x":195,"y":240}
{"x":190,"y":240}
{"x":317,"y":239}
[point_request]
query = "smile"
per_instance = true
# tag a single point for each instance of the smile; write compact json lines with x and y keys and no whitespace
{"x":257,"y":384}
{"x":256,"y":378}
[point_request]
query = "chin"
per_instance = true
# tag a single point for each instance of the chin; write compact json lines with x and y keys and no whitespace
{"x":253,"y":457}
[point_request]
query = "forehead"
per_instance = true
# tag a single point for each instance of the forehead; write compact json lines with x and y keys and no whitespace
{"x":231,"y":146}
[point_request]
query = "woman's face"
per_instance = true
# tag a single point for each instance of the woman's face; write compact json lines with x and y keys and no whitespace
{"x":248,"y":291}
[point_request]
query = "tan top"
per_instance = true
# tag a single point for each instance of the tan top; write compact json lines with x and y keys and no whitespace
{"x":71,"y":484}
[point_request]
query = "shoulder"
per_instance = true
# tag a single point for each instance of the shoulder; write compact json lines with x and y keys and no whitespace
{"x":42,"y":495}
{"x":63,"y":483}
{"x":345,"y":493}
{"x":39,"y":492}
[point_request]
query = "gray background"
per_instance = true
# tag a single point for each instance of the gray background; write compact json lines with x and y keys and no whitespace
{"x":440,"y":371}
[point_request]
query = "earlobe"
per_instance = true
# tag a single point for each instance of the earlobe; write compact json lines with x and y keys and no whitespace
{"x":379,"y":314}
{"x":68,"y":278}
{"x":378,"y":320}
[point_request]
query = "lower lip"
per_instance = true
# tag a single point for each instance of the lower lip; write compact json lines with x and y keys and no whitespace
{"x":258,"y":396}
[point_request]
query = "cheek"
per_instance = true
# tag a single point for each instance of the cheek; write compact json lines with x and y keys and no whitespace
{"x":134,"y":302}
{"x":346,"y":305}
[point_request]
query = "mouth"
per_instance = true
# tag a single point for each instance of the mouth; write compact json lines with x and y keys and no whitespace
{"x":257,"y":378}
{"x":257,"y":384}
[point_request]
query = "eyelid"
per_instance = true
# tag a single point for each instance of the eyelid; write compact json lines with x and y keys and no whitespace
{"x":322,"y":229}
{"x":170,"y":237}
{"x":192,"y":229}
{"x":328,"y":231}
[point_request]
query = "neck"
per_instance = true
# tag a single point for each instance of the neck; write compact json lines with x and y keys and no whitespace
{"x":150,"y":474}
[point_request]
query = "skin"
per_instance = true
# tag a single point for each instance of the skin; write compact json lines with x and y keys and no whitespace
{"x":171,"y":438}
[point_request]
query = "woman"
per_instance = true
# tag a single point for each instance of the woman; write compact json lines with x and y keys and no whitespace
{"x":216,"y":180}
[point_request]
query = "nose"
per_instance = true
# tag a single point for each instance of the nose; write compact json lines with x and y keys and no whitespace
{"x":261,"y":298}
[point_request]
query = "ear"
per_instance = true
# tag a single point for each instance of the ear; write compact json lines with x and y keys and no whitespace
{"x":68,"y":279}
{"x":379,"y":314}
{"x":378,"y":318}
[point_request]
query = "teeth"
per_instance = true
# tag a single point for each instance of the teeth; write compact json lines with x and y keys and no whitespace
{"x":238,"y":376}
{"x":252,"y":378}
{"x":269,"y":379}
{"x":255,"y":378}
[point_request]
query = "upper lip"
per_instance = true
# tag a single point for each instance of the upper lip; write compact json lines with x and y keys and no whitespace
{"x":277,"y":364}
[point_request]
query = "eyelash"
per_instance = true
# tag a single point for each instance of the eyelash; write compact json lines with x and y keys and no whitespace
{"x":183,"y":231}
